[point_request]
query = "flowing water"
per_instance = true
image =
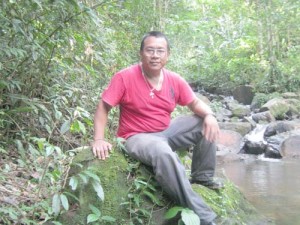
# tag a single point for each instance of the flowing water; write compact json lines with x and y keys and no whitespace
{"x":271,"y":185}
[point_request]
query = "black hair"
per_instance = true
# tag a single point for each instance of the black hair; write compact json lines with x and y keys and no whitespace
{"x":156,"y":34}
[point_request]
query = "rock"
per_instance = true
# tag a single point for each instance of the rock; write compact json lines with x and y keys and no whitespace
{"x":254,"y":141}
{"x":263,"y":117}
{"x":223,"y":114}
{"x":291,"y":95}
{"x":290,"y":147}
{"x":294,"y":107}
{"x":272,"y":152}
{"x":112,"y":174}
{"x":240,"y":127}
{"x":281,"y":127}
{"x":203,"y":98}
{"x":244,"y":94}
{"x":229,"y":141}
{"x":118,"y":183}
{"x":277,"y":106}
{"x":239,"y":110}
{"x":274,"y":142}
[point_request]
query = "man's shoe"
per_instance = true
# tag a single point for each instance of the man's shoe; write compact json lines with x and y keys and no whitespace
{"x":212,"y":184}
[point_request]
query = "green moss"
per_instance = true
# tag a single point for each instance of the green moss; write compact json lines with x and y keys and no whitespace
{"x":112,"y":173}
{"x":121,"y":176}
{"x":229,"y":204}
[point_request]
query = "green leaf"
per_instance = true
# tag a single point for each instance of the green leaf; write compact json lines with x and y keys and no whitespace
{"x":82,"y":127}
{"x":95,"y":210}
{"x":64,"y":201}
{"x":152,"y":197}
{"x":92,"y":175}
{"x":173,"y":212}
{"x":189,"y":217}
{"x":84,"y":178}
{"x":56,"y":204}
{"x":108,"y":218}
{"x":49,"y":150}
{"x":73,"y":183}
{"x":38,"y":3}
{"x":92,"y":218}
{"x":75,"y":126}
{"x":20,"y":148}
{"x":98,"y":188}
{"x":71,"y":195}
{"x":65,"y":127}
{"x":58,"y":114}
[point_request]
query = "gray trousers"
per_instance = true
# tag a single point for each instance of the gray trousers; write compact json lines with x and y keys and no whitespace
{"x":157,"y":150}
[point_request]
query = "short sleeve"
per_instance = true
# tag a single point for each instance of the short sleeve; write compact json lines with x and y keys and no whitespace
{"x":186,"y":94}
{"x":114,"y":92}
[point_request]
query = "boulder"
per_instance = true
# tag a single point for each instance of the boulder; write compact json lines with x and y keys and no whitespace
{"x":244,"y":94}
{"x":239,"y":110}
{"x":290,"y":147}
{"x":277,"y":106}
{"x":281,"y":127}
{"x":131,"y":196}
{"x":263,"y":117}
{"x":229,"y":141}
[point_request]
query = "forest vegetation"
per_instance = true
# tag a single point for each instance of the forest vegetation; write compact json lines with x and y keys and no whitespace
{"x":57,"y":56}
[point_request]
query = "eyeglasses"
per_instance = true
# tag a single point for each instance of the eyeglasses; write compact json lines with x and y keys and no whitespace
{"x":151,"y":51}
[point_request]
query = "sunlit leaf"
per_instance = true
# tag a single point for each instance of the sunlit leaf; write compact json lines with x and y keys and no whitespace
{"x":49,"y":150}
{"x":65,"y":127}
{"x":73,"y":183}
{"x":98,"y":188}
{"x":189,"y":217}
{"x":64,"y":201}
{"x":92,"y":218}
{"x":82,"y":127}
{"x":56,"y":204}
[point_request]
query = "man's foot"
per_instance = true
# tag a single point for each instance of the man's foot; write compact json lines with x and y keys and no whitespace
{"x":212,"y":184}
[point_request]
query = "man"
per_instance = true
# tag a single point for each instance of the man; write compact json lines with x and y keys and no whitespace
{"x":147,"y":93}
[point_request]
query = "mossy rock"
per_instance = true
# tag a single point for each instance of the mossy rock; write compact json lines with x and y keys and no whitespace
{"x":112,"y":173}
{"x":117,"y":182}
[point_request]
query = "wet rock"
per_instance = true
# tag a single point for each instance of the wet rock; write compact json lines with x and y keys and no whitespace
{"x":263,"y":117}
{"x":244,"y":94}
{"x":274,"y":142}
{"x":281,"y":127}
{"x":254,"y":141}
{"x":272,"y":152}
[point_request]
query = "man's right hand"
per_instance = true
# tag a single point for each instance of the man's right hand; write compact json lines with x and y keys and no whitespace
{"x":101,"y":149}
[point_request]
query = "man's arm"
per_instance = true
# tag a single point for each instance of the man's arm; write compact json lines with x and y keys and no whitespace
{"x":100,"y":146}
{"x":210,"y":124}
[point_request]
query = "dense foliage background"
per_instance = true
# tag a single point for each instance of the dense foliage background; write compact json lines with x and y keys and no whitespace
{"x":57,"y":55}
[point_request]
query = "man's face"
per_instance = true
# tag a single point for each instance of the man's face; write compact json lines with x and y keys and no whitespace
{"x":154,"y":55}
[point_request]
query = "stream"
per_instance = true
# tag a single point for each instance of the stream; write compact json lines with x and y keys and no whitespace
{"x":270,"y":185}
